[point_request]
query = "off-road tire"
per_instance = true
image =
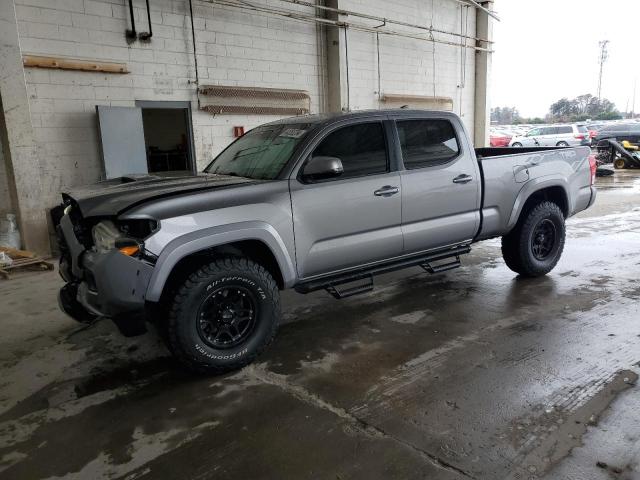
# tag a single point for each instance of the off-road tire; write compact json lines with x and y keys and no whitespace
{"x":517,"y":248}
{"x":184,"y":338}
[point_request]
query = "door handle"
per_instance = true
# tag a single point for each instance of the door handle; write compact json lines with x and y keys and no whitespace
{"x":386,"y":191}
{"x":464,"y":178}
{"x":532,"y":163}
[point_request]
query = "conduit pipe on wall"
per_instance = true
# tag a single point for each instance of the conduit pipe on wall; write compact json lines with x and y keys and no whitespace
{"x":384,"y":20}
{"x":340,"y":24}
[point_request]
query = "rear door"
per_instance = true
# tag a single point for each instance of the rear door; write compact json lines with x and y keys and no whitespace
{"x":440,"y":184}
{"x":353,"y":219}
{"x":548,"y":137}
{"x":565,"y":134}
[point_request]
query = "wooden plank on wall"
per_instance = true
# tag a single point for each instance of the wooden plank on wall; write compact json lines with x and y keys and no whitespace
{"x":418,"y":101}
{"x":71,"y":64}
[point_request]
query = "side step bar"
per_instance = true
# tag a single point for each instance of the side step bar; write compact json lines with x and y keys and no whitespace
{"x":333,"y":283}
{"x":442,"y":267}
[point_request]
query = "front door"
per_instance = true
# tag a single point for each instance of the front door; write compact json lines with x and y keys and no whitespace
{"x":440,"y":186}
{"x":352,"y":219}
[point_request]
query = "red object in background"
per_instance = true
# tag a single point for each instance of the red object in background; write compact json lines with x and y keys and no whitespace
{"x":238,"y":131}
{"x":496,"y":140}
{"x":593,"y":165}
{"x":592,"y":133}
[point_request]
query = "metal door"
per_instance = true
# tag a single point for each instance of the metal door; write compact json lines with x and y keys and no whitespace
{"x":122,"y":138}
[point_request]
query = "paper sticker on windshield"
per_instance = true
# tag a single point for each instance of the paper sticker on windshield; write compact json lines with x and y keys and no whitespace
{"x":292,"y":133}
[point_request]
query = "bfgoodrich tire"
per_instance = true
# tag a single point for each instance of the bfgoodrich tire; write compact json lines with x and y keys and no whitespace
{"x":223,"y":316}
{"x":535,"y":245}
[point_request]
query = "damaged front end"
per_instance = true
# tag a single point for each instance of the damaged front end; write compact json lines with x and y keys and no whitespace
{"x":106,"y":267}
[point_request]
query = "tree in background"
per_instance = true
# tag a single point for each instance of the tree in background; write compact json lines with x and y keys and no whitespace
{"x":582,"y":108}
{"x":505,"y":115}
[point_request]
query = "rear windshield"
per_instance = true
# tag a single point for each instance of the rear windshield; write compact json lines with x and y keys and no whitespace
{"x":261,"y":153}
{"x":582,"y":129}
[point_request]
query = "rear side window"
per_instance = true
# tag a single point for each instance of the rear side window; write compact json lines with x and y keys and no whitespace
{"x":566,"y":129}
{"x":427,"y":142}
{"x":582,"y":129}
{"x":548,"y":131}
{"x":361,"y":148}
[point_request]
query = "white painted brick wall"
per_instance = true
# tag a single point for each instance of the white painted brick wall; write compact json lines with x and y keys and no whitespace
{"x":234,"y":48}
{"x":406,"y":65}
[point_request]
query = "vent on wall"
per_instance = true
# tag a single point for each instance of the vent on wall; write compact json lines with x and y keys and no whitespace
{"x":220,"y":100}
{"x":418,"y":101}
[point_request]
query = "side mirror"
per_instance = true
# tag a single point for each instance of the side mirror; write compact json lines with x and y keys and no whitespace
{"x":321,"y":168}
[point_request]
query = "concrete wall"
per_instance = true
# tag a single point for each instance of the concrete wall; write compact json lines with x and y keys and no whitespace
{"x":407,"y":65}
{"x":234,"y":47}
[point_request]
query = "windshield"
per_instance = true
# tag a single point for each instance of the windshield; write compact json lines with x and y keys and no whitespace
{"x":261,"y":153}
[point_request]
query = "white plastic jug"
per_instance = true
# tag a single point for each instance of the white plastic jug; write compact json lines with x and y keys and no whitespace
{"x":9,"y":234}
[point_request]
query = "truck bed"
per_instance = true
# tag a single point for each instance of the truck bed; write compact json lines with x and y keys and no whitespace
{"x":488,"y":152}
{"x":511,"y":175}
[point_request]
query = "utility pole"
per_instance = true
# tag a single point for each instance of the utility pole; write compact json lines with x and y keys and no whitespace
{"x":633,"y":102}
{"x":604,"y":55}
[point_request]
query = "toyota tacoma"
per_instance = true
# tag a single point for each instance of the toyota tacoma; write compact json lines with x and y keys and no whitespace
{"x":311,"y":202}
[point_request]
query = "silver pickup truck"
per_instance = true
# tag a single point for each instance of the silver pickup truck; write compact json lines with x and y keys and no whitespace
{"x":312,"y":202}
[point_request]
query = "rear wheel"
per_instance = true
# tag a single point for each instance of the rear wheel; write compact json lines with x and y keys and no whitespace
{"x":223,"y":316}
{"x":535,"y":245}
{"x":562,"y":144}
{"x":619,"y":163}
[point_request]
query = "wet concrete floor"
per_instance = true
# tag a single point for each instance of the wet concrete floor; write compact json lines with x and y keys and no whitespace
{"x":473,"y":373}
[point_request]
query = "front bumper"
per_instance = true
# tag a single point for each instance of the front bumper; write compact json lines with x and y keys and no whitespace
{"x":108,"y":284}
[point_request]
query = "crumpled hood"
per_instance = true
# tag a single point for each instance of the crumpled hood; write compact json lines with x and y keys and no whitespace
{"x":112,"y":197}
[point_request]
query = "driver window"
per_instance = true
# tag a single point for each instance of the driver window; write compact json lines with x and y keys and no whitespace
{"x":361,"y":148}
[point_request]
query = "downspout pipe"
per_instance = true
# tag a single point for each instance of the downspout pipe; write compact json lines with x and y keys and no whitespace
{"x":131,"y":34}
{"x":146,"y":36}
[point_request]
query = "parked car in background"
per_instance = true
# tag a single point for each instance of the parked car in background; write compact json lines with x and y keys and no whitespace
{"x":594,"y":128}
{"x":619,"y":131}
{"x":553,"y":136}
{"x":499,"y":138}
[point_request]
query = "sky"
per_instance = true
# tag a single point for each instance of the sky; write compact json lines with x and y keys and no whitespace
{"x":548,"y":49}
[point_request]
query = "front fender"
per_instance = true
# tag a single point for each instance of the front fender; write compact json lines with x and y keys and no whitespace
{"x":199,"y":240}
{"x":532,"y":187}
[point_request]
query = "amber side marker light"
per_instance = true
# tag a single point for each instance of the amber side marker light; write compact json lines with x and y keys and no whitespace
{"x":129,"y":250}
{"x":128,"y":246}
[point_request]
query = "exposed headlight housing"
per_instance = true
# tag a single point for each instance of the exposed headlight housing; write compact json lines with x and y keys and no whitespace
{"x":105,"y":235}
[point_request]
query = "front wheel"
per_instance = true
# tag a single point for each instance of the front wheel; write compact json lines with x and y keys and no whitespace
{"x":562,"y":144}
{"x":535,"y":245}
{"x":516,"y":144}
{"x":223,"y":316}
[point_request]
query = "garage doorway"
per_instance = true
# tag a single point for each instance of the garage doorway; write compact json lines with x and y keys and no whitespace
{"x":168,"y":137}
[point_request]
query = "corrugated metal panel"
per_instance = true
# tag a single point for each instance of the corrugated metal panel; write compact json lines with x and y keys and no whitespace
{"x":220,"y":100}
